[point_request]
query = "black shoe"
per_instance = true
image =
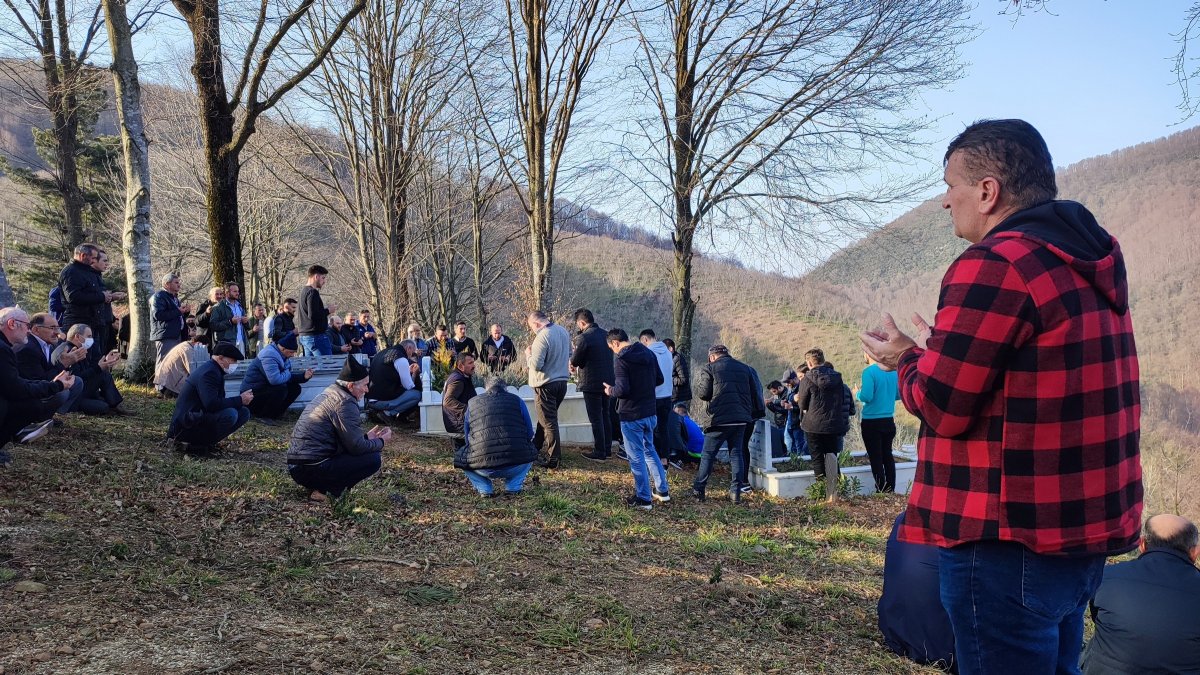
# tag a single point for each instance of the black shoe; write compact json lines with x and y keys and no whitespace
{"x":378,"y":417}
{"x":34,"y":431}
{"x":5,"y":458}
{"x":746,"y":489}
{"x":660,"y":497}
{"x":621,"y":454}
{"x":635,"y":502}
{"x":698,"y":494}
{"x":548,"y":463}
{"x":594,"y":457}
{"x":675,"y":464}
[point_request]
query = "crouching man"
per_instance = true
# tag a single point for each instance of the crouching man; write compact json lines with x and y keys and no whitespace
{"x":329,"y":452}
{"x":271,"y":379}
{"x":499,"y":435}
{"x":204,"y":416}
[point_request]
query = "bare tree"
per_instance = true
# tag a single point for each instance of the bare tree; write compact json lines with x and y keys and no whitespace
{"x":50,"y":30}
{"x":761,"y":112}
{"x":228,"y":119}
{"x":551,"y":47}
{"x":136,"y":230}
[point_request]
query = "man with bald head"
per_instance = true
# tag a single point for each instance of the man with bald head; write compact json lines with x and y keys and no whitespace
{"x":1145,"y":611}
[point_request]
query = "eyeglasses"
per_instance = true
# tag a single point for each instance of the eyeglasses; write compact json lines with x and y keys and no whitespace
{"x":26,"y":323}
{"x":47,"y":326}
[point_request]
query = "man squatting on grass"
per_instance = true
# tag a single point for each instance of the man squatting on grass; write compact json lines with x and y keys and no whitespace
{"x":1026,"y":386}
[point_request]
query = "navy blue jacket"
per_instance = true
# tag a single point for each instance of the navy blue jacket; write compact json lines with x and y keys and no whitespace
{"x":1145,"y":616}
{"x":202,"y":393}
{"x":166,"y":321}
{"x":636,"y":376}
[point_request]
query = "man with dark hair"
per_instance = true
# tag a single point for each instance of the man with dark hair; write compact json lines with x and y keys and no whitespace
{"x":734,"y":398}
{"x":312,"y":315}
{"x":776,"y":411}
{"x":592,"y":363}
{"x":370,"y":338}
{"x":822,"y":402}
{"x":85,"y":300}
{"x":459,"y":391}
{"x":105,"y":328}
{"x":284,"y":321}
{"x":498,"y":349}
{"x":167,"y":316}
{"x":228,"y":319}
{"x":204,"y":416}
{"x":662,"y":397}
{"x":271,"y":379}
{"x":1145,"y":611}
{"x":256,"y":336}
{"x":681,"y":376}
{"x":462,"y":343}
{"x":547,"y":360}
{"x":635,"y":377}
{"x":498,"y":435}
{"x":440,"y":341}
{"x":1028,"y":395}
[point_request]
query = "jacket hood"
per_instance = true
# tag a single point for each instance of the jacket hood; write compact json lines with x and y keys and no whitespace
{"x":659,"y":348}
{"x":825,"y":376}
{"x":1070,"y":232}
{"x":637,"y":353}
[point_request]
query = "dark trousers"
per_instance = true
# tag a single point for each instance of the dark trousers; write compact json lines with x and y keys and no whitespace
{"x":714,"y":438}
{"x":16,"y":415}
{"x":546,"y":438}
{"x":613,"y":417}
{"x":99,"y":386}
{"x":662,"y":442}
{"x":820,"y":445}
{"x":272,"y":400}
{"x":597,"y":405}
{"x":337,"y":474}
{"x":877,"y":435}
{"x":162,"y":347}
{"x":101,"y":335}
{"x":744,"y":478}
{"x":215,"y":427}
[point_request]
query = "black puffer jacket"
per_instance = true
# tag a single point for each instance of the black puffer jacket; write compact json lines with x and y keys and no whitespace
{"x":732,"y":390}
{"x":821,"y":400}
{"x":592,"y":359}
{"x":681,"y":379}
{"x":848,"y":408}
{"x":499,"y":433}
{"x":83,"y":295}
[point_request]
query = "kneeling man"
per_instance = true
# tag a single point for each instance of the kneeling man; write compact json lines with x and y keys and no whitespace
{"x":499,"y":435}
{"x":204,"y":416}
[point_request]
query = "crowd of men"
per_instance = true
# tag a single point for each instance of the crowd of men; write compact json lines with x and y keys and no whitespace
{"x":1026,"y":387}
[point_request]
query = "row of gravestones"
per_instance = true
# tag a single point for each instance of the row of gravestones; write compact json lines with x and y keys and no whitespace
{"x":325,"y":372}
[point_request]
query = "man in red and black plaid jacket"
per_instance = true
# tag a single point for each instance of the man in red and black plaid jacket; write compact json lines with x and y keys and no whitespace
{"x":1027,"y":391}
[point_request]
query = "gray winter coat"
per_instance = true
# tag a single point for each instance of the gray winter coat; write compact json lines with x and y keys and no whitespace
{"x":329,"y":426}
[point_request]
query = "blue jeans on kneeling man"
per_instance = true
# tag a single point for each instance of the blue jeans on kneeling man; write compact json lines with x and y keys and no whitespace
{"x":399,"y":405}
{"x":644,"y":462}
{"x":513,"y":477}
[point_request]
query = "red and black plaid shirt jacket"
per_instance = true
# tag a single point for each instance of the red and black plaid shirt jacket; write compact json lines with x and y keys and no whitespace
{"x":1028,"y":398}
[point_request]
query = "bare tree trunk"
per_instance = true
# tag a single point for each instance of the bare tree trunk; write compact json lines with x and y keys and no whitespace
{"x":7,"y":299}
{"x":61,"y":73}
{"x":136,"y":231}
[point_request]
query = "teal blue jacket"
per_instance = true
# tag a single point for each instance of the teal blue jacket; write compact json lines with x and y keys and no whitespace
{"x":879,"y":393}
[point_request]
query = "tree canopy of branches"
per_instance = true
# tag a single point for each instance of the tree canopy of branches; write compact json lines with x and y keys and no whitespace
{"x":228,"y":118}
{"x":764,"y":113}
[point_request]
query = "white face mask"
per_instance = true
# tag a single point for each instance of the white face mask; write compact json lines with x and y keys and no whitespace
{"x":87,"y":344}
{"x":230,"y":368}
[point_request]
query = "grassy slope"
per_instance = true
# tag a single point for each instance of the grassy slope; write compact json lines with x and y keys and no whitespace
{"x":159,"y":563}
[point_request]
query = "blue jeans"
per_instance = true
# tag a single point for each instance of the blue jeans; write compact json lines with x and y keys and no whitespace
{"x":1016,"y":611}
{"x":713,"y":440}
{"x":513,"y":477}
{"x":336,"y":475}
{"x":215,"y":427}
{"x":316,"y":344}
{"x":643,"y":458}
{"x":399,"y":405}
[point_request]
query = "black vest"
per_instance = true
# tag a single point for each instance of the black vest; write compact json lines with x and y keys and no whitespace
{"x":499,"y":437}
{"x":385,"y":381}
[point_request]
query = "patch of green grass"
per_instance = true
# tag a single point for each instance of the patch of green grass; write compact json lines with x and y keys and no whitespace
{"x":563,"y":633}
{"x":841,"y":535}
{"x":7,"y":575}
{"x":558,"y":507}
{"x":425,"y":595}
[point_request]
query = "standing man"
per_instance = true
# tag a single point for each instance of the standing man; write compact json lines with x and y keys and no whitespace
{"x":439,"y":341}
{"x":312,"y":316}
{"x":821,"y":401}
{"x":415,"y":334}
{"x":370,"y":345}
{"x":636,"y":374}
{"x":733,"y":394}
{"x":84,"y":297}
{"x":662,"y":396}
{"x":283,"y":322}
{"x":461,"y":343}
{"x":592,"y":363}
{"x":167,"y":317}
{"x":227,"y":321}
{"x":498,"y":349}
{"x":1027,"y":390}
{"x":103,"y":330}
{"x":548,"y":373}
{"x":681,"y":376}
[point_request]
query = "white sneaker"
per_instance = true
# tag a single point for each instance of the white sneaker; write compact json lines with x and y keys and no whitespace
{"x":34,"y":431}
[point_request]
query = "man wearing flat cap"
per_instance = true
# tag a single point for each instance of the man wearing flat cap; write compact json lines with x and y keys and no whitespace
{"x":204,"y":416}
{"x":271,"y":379}
{"x":329,"y":452}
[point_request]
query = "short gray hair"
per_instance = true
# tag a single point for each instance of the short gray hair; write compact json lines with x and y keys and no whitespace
{"x":494,"y":382}
{"x":76,"y":329}
{"x":9,"y":313}
{"x":169,"y":277}
{"x":406,"y":344}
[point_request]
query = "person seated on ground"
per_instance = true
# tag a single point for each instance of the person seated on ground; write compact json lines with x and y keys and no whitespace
{"x":370,"y":338}
{"x":911,"y":617}
{"x":284,"y":320}
{"x":100,"y":395}
{"x":690,"y":432}
{"x":499,"y":435}
{"x":498,"y":349}
{"x":329,"y":453}
{"x":176,"y":366}
{"x":415,"y":334}
{"x":459,"y":391}
{"x":35,"y":361}
{"x":271,"y":379}
{"x":461,"y":343}
{"x":204,"y":416}
{"x":352,"y":333}
{"x":393,"y":390}
{"x":439,"y":341}
{"x":1145,"y":609}
{"x":337,"y":339}
{"x":26,"y":406}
